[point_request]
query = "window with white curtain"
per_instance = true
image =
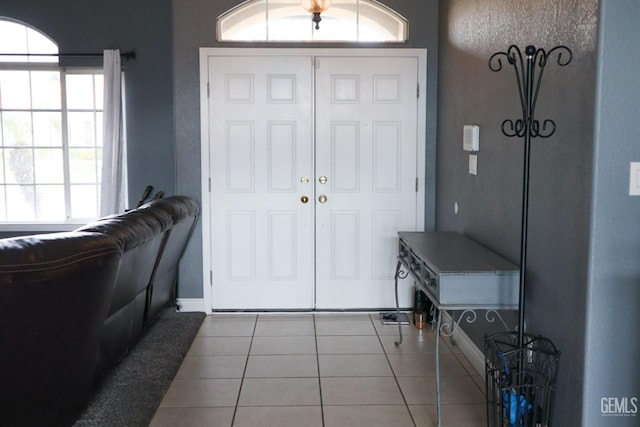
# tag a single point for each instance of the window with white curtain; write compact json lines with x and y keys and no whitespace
{"x":50,"y":132}
{"x":287,"y":20}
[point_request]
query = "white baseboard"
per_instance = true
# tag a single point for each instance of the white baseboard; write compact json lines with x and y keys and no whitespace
{"x":471,"y":351}
{"x":191,"y":304}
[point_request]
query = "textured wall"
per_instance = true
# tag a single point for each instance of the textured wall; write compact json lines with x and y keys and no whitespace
{"x":561,"y":166}
{"x":613,"y":348}
{"x":194,"y":27}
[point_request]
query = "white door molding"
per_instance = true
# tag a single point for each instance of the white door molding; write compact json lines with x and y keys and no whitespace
{"x":206,"y":53}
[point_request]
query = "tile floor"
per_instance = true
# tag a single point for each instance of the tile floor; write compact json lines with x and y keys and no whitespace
{"x":318,"y":369}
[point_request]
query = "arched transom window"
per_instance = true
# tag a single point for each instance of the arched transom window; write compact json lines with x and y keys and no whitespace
{"x":21,"y":39}
{"x":287,"y":20}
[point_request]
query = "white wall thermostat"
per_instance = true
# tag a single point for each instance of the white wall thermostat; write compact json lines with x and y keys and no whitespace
{"x":471,"y":138}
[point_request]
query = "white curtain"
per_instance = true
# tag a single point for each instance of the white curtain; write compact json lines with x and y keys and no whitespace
{"x":113,"y":192}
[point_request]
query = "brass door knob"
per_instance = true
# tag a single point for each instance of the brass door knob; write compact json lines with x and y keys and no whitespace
{"x":322,"y":198}
{"x":304,"y":199}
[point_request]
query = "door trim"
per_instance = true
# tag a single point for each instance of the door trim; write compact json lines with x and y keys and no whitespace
{"x":206,"y":52}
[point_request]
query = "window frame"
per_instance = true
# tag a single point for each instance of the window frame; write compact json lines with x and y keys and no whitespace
{"x":69,"y":223}
{"x":260,"y":10}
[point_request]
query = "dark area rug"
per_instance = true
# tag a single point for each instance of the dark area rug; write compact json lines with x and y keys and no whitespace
{"x":131,"y":393}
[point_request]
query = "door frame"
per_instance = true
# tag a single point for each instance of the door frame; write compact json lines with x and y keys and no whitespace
{"x":206,"y":52}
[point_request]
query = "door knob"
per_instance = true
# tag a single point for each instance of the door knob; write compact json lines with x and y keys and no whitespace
{"x":323,"y":180}
{"x":322,"y":198}
{"x":304,"y":199}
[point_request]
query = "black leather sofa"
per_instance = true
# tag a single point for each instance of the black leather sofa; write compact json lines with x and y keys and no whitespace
{"x":73,"y":304}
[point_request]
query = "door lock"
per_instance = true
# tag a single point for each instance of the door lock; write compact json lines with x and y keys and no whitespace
{"x":323,"y":180}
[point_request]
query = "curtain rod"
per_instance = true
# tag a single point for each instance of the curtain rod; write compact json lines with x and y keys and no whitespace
{"x":126,"y":55}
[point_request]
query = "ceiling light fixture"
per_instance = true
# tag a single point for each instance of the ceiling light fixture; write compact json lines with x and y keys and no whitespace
{"x":316,"y":7}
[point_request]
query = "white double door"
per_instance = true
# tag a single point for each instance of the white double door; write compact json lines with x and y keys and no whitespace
{"x":313,"y":165}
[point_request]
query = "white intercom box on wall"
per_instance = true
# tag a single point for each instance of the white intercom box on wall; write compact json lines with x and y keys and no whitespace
{"x":471,"y":138}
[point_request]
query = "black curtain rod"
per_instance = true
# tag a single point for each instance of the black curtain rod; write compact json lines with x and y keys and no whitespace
{"x":126,"y":55}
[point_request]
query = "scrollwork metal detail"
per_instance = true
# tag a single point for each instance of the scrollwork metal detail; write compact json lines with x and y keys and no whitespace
{"x":402,"y":274}
{"x":529,"y":86}
{"x":491,"y":316}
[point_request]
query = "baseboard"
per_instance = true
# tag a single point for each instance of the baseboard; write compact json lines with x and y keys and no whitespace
{"x":471,"y":351}
{"x":191,"y":304}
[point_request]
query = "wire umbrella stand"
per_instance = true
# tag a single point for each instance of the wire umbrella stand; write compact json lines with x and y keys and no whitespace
{"x":521,"y":369}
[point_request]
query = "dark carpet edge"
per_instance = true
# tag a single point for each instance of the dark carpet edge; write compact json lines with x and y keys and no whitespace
{"x":131,"y":392}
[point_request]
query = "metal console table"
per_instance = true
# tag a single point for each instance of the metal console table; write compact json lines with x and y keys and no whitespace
{"x":456,"y":274}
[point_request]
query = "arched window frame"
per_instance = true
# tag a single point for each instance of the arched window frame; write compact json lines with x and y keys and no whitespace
{"x":51,"y":129}
{"x":287,"y":21}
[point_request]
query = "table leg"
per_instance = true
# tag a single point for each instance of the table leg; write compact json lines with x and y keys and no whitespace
{"x":398,"y":269}
{"x":438,"y":325}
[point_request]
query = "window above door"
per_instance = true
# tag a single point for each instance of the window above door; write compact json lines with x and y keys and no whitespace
{"x":287,"y":20}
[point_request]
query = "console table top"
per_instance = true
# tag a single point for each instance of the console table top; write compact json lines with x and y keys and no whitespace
{"x":449,"y":252}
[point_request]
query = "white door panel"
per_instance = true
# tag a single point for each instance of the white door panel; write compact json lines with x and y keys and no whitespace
{"x":366,"y":146}
{"x":260,"y":145}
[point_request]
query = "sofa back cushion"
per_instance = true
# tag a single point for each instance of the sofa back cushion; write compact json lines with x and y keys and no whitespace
{"x":54,"y":295}
{"x":184,"y":213}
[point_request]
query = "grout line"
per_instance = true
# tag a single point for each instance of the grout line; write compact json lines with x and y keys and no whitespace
{"x":395,"y":378}
{"x":315,"y":336}
{"x":244,"y":371}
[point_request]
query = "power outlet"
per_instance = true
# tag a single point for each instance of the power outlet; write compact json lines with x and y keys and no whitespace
{"x":634,"y":179}
{"x":473,"y":164}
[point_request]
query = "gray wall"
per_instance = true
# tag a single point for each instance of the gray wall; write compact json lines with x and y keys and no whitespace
{"x":613,"y":305}
{"x":194,"y":27}
{"x":584,"y":237}
{"x":143,"y":26}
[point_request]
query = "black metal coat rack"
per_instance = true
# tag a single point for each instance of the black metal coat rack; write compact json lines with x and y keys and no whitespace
{"x":529,"y":78}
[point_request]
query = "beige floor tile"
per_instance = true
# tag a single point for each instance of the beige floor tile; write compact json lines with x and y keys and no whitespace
{"x":220,"y":346}
{"x":193,"y":417}
{"x":354,"y":365}
{"x":278,"y":326}
{"x":453,"y":390}
{"x":283,"y":345}
{"x":221,"y":325}
{"x":451,"y":345}
{"x":422,"y":343}
{"x":471,"y":370}
{"x":344,"y":326}
{"x":367,"y":416}
{"x":280,"y":392}
{"x":341,"y":316}
{"x":349,"y":345}
{"x":279,"y":416}
{"x":293,"y":317}
{"x":212,"y":367}
{"x":282,"y":366}
{"x":422,"y":365}
{"x":356,"y":357}
{"x":202,"y":393}
{"x":473,"y":415}
{"x":360,"y":391}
